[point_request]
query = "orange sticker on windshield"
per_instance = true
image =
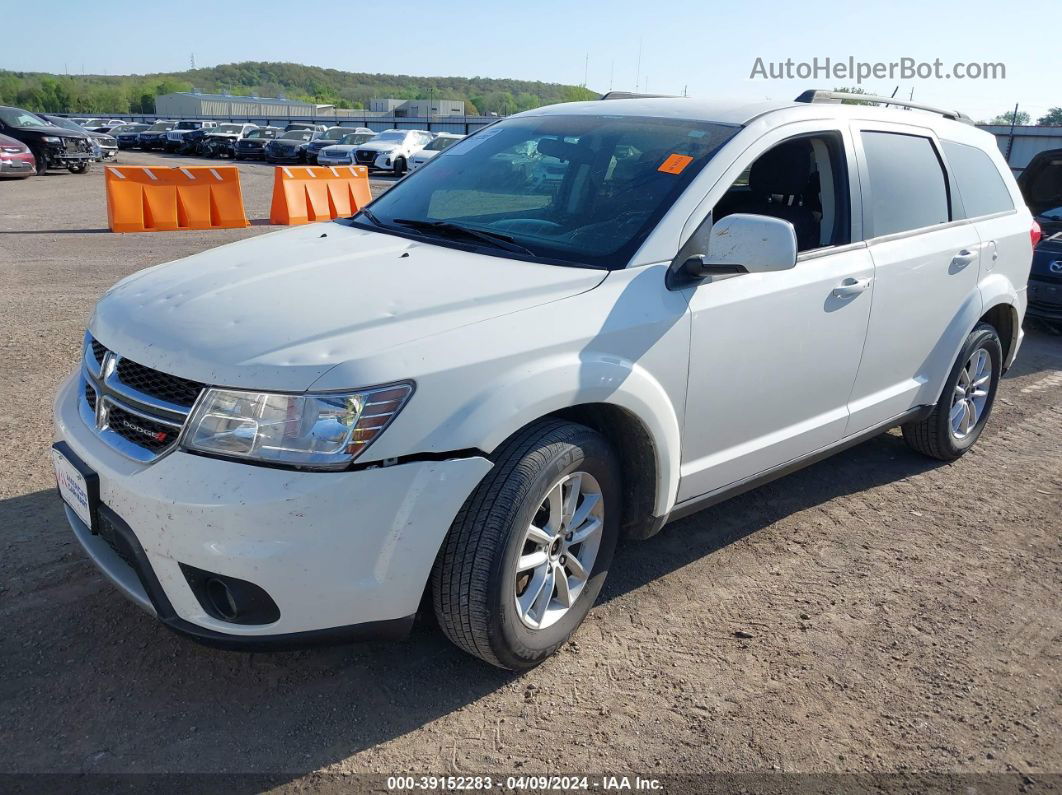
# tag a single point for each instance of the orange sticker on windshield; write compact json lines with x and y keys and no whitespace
{"x":675,"y":164}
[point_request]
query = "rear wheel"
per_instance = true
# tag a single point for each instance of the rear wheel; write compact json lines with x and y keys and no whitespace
{"x":960,"y":415}
{"x":530,"y":549}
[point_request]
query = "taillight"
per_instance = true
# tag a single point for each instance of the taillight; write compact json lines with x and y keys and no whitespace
{"x":1035,"y":234}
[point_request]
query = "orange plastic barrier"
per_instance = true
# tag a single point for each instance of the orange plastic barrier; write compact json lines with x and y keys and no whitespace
{"x":302,"y":194}
{"x":141,"y":199}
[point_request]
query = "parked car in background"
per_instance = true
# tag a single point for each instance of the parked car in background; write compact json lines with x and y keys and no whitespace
{"x":342,"y":153}
{"x":105,"y":147}
{"x":127,"y":135}
{"x":391,"y":150}
{"x":252,"y":146}
{"x":175,"y":137}
{"x":52,"y":147}
{"x":303,"y":125}
{"x":1041,"y":185}
{"x":106,"y":127}
{"x":154,"y":137}
{"x":329,"y":137}
{"x":441,"y":141}
{"x":16,"y":159}
{"x":221,"y":140}
{"x":287,"y":147}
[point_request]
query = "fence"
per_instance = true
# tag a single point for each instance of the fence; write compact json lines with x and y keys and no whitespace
{"x":374,"y":121}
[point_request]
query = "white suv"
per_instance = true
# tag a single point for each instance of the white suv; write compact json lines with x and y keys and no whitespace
{"x":391,"y":150}
{"x":474,"y":387}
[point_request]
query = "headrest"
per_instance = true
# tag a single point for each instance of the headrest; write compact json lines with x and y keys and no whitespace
{"x":784,"y":169}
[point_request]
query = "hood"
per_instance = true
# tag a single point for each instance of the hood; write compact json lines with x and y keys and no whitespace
{"x":226,"y":136}
{"x":1041,"y":186}
{"x":339,"y":149}
{"x":280,"y":310}
{"x":379,"y":146}
{"x":60,"y":132}
{"x":425,"y":154}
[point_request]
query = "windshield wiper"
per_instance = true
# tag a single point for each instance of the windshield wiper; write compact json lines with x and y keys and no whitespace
{"x":496,"y":239}
{"x":369,"y":214}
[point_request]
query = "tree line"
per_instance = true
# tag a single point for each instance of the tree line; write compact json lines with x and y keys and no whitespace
{"x":102,"y":94}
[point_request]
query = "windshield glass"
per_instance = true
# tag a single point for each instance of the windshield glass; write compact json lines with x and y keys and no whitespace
{"x":579,"y":189}
{"x":66,"y":124}
{"x":355,"y":138}
{"x":229,"y":128}
{"x":333,"y":134}
{"x":189,"y":125}
{"x":130,"y":128}
{"x":297,"y":135}
{"x":441,"y":143}
{"x":160,"y":126}
{"x":21,"y":118}
{"x":390,"y":136}
{"x":262,"y":134}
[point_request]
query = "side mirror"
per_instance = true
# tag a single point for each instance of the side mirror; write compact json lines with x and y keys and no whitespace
{"x":745,"y":243}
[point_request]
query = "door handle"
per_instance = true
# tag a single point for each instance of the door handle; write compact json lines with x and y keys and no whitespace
{"x":851,"y":287}
{"x":962,"y":259}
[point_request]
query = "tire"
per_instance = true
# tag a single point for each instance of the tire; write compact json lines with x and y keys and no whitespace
{"x":42,"y":163}
{"x":400,"y":166}
{"x":476,"y":582}
{"x":82,"y":168}
{"x":936,"y":436}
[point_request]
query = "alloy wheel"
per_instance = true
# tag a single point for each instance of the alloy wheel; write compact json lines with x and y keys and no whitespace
{"x":971,"y":393}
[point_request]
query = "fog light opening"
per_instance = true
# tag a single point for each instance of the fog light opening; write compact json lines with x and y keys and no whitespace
{"x":221,"y":598}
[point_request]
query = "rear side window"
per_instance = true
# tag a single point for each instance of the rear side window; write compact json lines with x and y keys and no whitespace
{"x":980,"y":185}
{"x":907,"y":185}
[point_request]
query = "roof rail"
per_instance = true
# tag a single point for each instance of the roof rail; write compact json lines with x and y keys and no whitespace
{"x":632,"y":95}
{"x":837,"y":96}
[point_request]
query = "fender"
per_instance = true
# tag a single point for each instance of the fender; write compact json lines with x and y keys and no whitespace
{"x":997,"y":290}
{"x":522,"y":396}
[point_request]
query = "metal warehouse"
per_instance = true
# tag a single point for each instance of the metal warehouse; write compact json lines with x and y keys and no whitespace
{"x":194,"y":104}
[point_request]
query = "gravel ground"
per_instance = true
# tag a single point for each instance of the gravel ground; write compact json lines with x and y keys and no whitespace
{"x":895,"y":613}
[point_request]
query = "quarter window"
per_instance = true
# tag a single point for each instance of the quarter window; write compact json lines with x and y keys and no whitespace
{"x":907,"y":185}
{"x":980,"y":185}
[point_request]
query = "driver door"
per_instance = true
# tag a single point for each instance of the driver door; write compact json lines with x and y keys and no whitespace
{"x":774,"y":356}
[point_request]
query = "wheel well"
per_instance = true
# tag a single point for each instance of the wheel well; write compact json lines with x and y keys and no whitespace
{"x":637,"y":459}
{"x":1004,"y":320}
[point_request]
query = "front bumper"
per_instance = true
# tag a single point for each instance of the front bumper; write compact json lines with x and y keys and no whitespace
{"x":323,"y":160}
{"x":342,"y":554}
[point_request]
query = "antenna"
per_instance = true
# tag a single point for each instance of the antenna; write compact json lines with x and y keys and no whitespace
{"x":611,"y":74}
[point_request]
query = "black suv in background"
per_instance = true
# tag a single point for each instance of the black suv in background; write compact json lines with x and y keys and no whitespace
{"x":253,"y":146}
{"x":1041,"y":185}
{"x":127,"y":134}
{"x":154,"y":137}
{"x":53,"y":147}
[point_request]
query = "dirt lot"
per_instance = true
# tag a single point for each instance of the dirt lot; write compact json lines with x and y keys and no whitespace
{"x":902,"y":614}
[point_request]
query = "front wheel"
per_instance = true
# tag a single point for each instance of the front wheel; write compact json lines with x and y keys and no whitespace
{"x":42,"y":163}
{"x":80,"y":168}
{"x":960,"y":415}
{"x":400,"y":166}
{"x":530,"y":549}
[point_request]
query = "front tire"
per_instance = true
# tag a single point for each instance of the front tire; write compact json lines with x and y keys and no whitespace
{"x":400,"y":166}
{"x":530,"y":549}
{"x":42,"y":163}
{"x":80,"y":168}
{"x":960,"y":415}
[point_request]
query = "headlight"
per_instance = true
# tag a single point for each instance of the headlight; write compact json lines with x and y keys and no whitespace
{"x":53,"y":139}
{"x":318,"y":431}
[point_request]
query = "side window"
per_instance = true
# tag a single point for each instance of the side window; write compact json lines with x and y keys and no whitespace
{"x":980,"y":185}
{"x":907,"y":185}
{"x":803,"y":181}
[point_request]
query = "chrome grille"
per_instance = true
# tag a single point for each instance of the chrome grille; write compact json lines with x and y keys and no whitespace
{"x":366,"y":155}
{"x":136,"y":410}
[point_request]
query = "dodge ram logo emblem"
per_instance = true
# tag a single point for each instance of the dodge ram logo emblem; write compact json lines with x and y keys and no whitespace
{"x":1056,"y":266}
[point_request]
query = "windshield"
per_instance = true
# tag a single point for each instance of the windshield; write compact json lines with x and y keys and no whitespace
{"x":160,"y":126}
{"x":130,"y":128}
{"x":189,"y":125}
{"x":66,"y":124}
{"x":334,"y":134}
{"x":441,"y":143}
{"x":297,"y":135}
{"x":229,"y":128}
{"x":21,"y":118}
{"x":576,"y":189}
{"x":391,"y":136}
{"x":262,"y":134}
{"x":355,"y":138}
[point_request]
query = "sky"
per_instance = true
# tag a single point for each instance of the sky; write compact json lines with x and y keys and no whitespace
{"x":707,"y":49}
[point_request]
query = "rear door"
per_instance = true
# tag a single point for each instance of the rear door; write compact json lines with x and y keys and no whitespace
{"x":926,"y":259}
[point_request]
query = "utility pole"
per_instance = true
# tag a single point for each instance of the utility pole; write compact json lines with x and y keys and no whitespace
{"x":1013,"y":122}
{"x":586,"y":68}
{"x":638,"y":72}
{"x":191,"y":60}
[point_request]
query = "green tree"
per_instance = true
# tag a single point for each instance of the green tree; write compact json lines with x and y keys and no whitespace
{"x":854,"y":90}
{"x":1009,"y":118}
{"x":1053,"y":118}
